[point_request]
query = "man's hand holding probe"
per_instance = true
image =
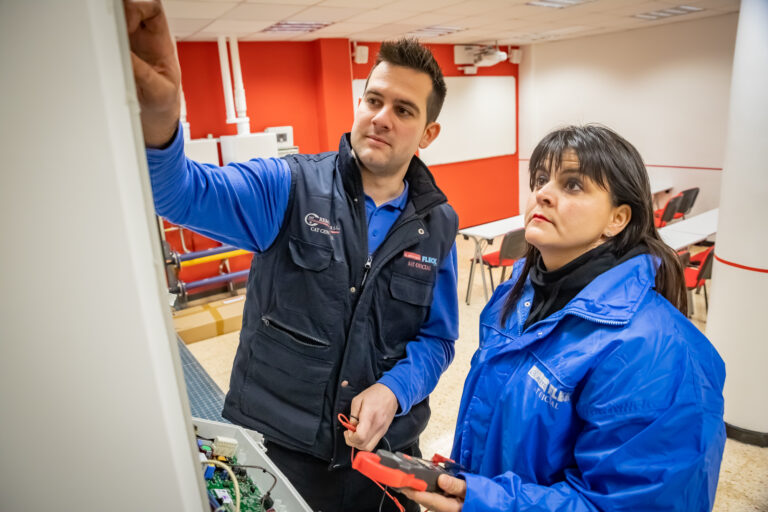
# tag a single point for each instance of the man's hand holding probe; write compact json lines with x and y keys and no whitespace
{"x":372,"y":411}
{"x":155,"y":70}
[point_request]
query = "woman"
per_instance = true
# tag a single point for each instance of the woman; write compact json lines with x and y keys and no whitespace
{"x":590,"y":389}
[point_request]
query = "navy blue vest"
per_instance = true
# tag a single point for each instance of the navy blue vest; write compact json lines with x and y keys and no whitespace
{"x":319,"y":327}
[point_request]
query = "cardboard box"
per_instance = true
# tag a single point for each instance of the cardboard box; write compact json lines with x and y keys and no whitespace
{"x":208,"y":320}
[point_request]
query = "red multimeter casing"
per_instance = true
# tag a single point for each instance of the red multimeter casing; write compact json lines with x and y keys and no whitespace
{"x":399,"y":470}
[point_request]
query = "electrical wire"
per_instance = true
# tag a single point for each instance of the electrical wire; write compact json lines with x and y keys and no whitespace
{"x":231,"y":476}
{"x":349,"y":426}
{"x":264,"y":470}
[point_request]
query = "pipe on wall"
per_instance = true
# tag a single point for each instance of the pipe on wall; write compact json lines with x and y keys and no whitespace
{"x":243,"y":123}
{"x":226,"y":80}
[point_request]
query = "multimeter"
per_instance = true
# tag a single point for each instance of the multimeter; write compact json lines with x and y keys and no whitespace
{"x":401,"y":470}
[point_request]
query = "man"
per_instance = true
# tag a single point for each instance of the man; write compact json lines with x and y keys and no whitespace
{"x":351,"y":302}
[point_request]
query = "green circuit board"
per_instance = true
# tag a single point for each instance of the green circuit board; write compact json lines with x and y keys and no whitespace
{"x":250,"y":495}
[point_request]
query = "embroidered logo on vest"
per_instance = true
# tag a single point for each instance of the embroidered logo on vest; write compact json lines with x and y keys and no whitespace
{"x":320,"y":224}
{"x":420,"y":262}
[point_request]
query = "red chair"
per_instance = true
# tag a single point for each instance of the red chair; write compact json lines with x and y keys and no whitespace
{"x":668,"y":212}
{"x":689,"y":198}
{"x":696,"y":277}
{"x":698,"y":258}
{"x":512,"y":248}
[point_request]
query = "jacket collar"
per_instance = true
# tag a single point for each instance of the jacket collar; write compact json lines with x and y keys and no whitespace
{"x":616,"y":294}
{"x":613,"y":297}
{"x":423,"y":191}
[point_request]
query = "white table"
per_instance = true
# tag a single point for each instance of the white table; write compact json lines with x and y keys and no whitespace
{"x":659,"y":185}
{"x":703,"y":223}
{"x":679,"y":239}
{"x":687,"y":232}
{"x":482,"y":235}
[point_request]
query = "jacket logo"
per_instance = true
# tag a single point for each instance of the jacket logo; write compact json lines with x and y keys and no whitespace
{"x":419,"y":261}
{"x":546,"y":391}
{"x":320,"y":224}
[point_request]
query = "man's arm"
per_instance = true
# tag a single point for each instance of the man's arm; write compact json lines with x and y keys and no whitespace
{"x":414,"y":377}
{"x":155,"y":70}
{"x":239,"y":204}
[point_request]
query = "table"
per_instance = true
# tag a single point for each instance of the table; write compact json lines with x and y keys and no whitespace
{"x":482,"y":234}
{"x":703,"y":223}
{"x":659,"y":185}
{"x":679,"y":235}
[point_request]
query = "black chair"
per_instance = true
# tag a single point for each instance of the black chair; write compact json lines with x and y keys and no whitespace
{"x":696,"y":278}
{"x":672,"y":207}
{"x":512,"y":248}
{"x":689,"y":197}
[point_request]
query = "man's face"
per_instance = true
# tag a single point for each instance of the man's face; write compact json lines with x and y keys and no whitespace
{"x":391,"y":119}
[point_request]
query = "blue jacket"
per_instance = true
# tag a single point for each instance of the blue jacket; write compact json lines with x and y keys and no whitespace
{"x":612,"y":403}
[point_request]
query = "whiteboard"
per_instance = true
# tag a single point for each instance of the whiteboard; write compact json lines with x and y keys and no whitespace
{"x":478,"y":119}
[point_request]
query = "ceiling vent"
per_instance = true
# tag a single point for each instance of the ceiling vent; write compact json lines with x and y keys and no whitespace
{"x":667,"y":13}
{"x":296,"y":26}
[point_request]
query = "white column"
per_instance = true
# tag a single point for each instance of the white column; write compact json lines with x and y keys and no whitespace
{"x":738,"y":312}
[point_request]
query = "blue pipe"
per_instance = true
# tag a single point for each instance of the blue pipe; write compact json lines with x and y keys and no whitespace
{"x":223,"y":278}
{"x":206,"y":252}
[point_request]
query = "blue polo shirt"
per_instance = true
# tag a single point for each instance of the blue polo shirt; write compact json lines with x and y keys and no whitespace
{"x":243,"y":204}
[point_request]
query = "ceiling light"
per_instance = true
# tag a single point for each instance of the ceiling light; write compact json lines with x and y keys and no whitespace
{"x":434,"y":31}
{"x":296,"y":26}
{"x":666,"y":13}
{"x":557,"y":4}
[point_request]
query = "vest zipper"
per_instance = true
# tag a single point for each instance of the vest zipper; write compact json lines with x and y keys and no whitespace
{"x":366,"y":269}
{"x":600,"y":321}
{"x":299,"y":337}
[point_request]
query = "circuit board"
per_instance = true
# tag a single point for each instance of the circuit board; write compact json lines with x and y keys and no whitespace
{"x":218,"y":481}
{"x":250,"y":495}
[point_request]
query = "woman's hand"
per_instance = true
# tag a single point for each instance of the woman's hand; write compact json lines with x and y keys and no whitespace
{"x":455,"y":488}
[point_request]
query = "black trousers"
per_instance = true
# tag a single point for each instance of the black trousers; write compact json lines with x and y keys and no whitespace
{"x":338,"y":490}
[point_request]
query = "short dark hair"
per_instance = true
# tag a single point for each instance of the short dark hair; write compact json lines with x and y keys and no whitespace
{"x":409,"y":53}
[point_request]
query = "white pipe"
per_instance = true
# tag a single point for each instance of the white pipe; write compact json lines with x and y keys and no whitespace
{"x":243,"y":123}
{"x":226,"y":80}
{"x":238,"y":77}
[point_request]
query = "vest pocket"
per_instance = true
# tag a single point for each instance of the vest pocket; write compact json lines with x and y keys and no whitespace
{"x":313,"y":282}
{"x":286,"y":381}
{"x":410,"y":290}
{"x":310,"y":256}
{"x":401,"y":319}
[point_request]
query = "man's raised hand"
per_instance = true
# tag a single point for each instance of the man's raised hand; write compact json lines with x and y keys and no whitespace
{"x":155,"y":69}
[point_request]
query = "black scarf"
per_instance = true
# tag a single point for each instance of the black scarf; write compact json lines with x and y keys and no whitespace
{"x":552,"y":290}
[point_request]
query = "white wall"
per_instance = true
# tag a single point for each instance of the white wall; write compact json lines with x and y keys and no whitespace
{"x":472,"y":126}
{"x":665,"y":89}
{"x":91,"y":408}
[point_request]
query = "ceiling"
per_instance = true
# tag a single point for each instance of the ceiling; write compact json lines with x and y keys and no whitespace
{"x":506,"y":22}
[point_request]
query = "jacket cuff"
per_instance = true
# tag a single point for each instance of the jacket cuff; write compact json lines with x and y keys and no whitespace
{"x":395,"y":388}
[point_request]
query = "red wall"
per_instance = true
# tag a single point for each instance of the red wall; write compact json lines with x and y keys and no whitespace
{"x":307,"y":85}
{"x":479,"y":190}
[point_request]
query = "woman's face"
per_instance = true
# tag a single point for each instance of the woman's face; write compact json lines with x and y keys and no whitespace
{"x":568,"y":214}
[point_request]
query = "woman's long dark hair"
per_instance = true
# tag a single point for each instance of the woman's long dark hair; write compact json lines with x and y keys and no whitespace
{"x":615,"y":165}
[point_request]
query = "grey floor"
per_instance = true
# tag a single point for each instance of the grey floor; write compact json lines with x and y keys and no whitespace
{"x":743,"y":484}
